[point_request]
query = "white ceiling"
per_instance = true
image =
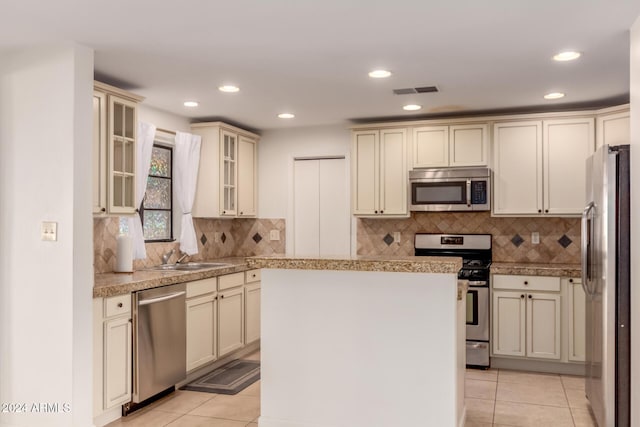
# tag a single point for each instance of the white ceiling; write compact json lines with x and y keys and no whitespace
{"x":311,"y":57}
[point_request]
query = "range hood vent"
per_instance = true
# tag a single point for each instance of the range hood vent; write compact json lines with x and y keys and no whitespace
{"x":412,"y":90}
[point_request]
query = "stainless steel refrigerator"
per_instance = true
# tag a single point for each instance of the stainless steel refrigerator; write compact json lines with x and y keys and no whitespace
{"x":606,"y":282}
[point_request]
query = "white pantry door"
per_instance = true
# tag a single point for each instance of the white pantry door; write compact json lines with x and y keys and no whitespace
{"x":321,"y":222}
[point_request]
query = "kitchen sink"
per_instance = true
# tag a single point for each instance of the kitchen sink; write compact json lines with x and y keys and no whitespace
{"x":189,"y":266}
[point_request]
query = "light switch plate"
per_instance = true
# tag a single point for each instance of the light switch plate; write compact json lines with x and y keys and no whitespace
{"x":535,"y":238}
{"x":274,"y":235}
{"x":396,"y":237}
{"x":49,"y":231}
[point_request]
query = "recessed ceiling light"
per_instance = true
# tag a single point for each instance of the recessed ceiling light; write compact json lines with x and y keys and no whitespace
{"x":190,"y":104}
{"x":568,"y":55}
{"x":228,"y":88}
{"x":380,"y":74}
{"x":412,"y":107}
{"x":286,"y":115}
{"x":554,"y":95}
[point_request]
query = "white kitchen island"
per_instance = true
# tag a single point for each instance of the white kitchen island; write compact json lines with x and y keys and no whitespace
{"x":362,"y":342}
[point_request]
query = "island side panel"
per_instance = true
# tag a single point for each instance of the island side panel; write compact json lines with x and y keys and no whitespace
{"x":354,"y":348}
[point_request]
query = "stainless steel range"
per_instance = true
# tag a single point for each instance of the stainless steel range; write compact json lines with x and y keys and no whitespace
{"x":475,"y":250}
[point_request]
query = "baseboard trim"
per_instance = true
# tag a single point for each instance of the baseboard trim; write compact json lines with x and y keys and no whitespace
{"x":543,"y":366}
{"x":107,"y":416}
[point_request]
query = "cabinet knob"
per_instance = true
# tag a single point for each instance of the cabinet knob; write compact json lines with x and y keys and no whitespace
{"x":539,"y":210}
{"x":103,"y":210}
{"x":546,"y":211}
{"x":241,"y":212}
{"x":529,"y":296}
{"x":522,"y":296}
{"x":253,"y":275}
{"x":381,"y":212}
{"x":570,"y":280}
{"x":224,"y":212}
{"x":526,"y":283}
{"x":119,"y":305}
{"x":221,"y":296}
{"x":215,"y":298}
{"x":375,"y":211}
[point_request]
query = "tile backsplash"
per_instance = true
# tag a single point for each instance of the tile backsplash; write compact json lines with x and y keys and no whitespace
{"x":559,"y":237}
{"x":217,"y":238}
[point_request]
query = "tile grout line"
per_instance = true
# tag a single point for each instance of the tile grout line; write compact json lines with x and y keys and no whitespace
{"x":564,"y":389}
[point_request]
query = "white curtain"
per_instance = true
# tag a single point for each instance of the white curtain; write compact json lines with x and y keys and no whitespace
{"x":187,"y":159}
{"x":144,"y":148}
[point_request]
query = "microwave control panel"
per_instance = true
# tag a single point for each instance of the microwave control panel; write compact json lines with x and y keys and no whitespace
{"x":478,"y":192}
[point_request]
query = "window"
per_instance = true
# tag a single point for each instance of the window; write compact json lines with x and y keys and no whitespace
{"x":156,"y":211}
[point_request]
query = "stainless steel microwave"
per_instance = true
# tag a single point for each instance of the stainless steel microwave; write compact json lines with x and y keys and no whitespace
{"x":450,"y":189}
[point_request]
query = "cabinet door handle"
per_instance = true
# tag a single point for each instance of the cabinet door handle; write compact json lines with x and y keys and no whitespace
{"x":522,"y":296}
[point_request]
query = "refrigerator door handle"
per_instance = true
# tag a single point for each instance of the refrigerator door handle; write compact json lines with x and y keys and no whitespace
{"x":586,"y":247}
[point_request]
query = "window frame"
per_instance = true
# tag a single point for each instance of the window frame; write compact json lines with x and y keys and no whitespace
{"x":164,"y":146}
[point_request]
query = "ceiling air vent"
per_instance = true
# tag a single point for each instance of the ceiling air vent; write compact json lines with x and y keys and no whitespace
{"x":411,"y":90}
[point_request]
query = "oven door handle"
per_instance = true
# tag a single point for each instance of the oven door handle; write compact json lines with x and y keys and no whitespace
{"x":477,"y":283}
{"x":468,"y":192}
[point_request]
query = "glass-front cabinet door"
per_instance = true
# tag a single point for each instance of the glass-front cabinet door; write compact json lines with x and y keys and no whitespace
{"x":122,"y":137}
{"x":229,"y":171}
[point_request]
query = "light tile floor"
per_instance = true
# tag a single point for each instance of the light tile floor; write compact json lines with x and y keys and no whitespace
{"x":494,"y":397}
{"x":513,"y":398}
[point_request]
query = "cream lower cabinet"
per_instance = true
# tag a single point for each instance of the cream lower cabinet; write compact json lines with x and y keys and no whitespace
{"x":230,"y":313}
{"x":576,"y":304}
{"x":252,"y":306}
{"x":112,"y":352}
{"x":526,"y":323}
{"x":380,"y":173}
{"x":201,"y":309}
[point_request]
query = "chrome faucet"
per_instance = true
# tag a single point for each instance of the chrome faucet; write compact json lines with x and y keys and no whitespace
{"x":184,"y":255}
{"x":165,"y":257}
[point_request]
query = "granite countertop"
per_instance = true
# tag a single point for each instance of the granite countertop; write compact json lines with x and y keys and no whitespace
{"x":406,"y":264}
{"x":532,"y":269}
{"x":111,"y":284}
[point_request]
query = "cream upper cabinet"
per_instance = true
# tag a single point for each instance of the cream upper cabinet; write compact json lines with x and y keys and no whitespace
{"x":380,"y":174}
{"x":247,"y":177}
{"x":114,"y":150}
{"x":613,"y":129}
{"x":566,"y":147}
{"x":226,"y":185}
{"x":517,"y":163}
{"x":539,"y":167}
{"x":455,"y":145}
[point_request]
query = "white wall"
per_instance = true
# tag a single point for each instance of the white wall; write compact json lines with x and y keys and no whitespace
{"x":276,"y":151}
{"x":46,"y":287}
{"x":635,"y":222}
{"x":163,"y":119}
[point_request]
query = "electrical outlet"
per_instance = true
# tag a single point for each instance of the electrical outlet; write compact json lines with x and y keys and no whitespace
{"x":535,"y":238}
{"x":396,"y":237}
{"x":49,"y":231}
{"x":274,"y":235}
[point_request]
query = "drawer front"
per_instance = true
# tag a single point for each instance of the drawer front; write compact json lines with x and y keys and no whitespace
{"x":531,"y":283}
{"x":118,"y":305}
{"x":252,"y":276}
{"x":201,"y":287}
{"x":230,"y":281}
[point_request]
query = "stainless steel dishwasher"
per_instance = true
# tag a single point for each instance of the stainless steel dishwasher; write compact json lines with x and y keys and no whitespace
{"x":159,"y":340}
